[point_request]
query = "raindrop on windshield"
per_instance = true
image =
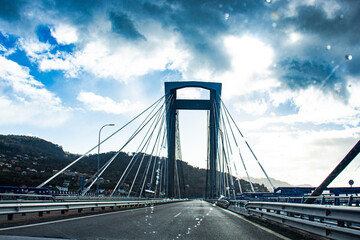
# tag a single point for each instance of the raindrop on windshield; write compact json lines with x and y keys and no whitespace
{"x":348,"y":57}
{"x":328,"y":47}
{"x":268,"y":1}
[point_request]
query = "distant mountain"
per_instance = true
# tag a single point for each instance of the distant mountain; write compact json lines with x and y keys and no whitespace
{"x":277,"y":183}
{"x":29,"y":161}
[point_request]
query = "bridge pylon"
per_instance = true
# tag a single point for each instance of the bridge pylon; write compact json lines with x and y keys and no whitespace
{"x":213,"y":106}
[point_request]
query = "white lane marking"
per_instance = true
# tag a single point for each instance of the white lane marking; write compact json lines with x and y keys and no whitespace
{"x":177,"y":215}
{"x":259,"y":226}
{"x":66,"y":220}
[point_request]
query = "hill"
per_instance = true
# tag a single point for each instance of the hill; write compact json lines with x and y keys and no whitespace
{"x":29,"y":161}
{"x":277,"y":183}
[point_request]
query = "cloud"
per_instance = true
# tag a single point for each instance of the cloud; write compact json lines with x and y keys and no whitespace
{"x":98,"y":103}
{"x":10,"y":10}
{"x":122,"y":25}
{"x":301,"y":156}
{"x":257,"y":107}
{"x":64,"y":34}
{"x":24,"y":100}
{"x":191,"y":93}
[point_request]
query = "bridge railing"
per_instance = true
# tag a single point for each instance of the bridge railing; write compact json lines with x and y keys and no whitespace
{"x":11,"y":209}
{"x":335,"y":222}
{"x":349,"y":200}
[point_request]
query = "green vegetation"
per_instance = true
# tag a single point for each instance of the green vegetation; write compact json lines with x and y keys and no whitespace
{"x":28,"y":161}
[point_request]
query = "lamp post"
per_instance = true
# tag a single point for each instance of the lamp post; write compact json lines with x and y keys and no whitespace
{"x":98,"y":163}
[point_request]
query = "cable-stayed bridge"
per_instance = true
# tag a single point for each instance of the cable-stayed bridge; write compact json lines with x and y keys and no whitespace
{"x":155,"y":178}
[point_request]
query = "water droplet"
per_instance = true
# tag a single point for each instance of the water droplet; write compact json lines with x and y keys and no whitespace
{"x":348,"y":57}
{"x":227,"y":16}
{"x":328,"y":47}
{"x":341,"y":16}
{"x":349,"y":85}
{"x":268,"y":1}
{"x":274,"y":25}
{"x":220,"y":5}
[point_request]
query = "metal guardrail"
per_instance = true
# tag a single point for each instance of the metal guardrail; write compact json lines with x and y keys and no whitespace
{"x":10,"y":209}
{"x":335,"y":222}
{"x":350,"y":200}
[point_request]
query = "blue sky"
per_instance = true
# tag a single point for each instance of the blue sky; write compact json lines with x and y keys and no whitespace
{"x":290,"y":73}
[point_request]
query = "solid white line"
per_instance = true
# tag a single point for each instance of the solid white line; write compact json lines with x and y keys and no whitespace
{"x":259,"y":226}
{"x":177,"y":215}
{"x":67,"y":220}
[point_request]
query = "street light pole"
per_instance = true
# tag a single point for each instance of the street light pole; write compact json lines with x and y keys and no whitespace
{"x":98,"y":163}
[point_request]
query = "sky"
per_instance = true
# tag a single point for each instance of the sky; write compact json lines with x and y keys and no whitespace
{"x":290,"y":73}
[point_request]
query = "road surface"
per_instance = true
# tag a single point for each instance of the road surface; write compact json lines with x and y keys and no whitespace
{"x":184,"y":220}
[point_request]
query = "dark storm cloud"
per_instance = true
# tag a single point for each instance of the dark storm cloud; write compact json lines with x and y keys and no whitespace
{"x":201,"y":25}
{"x":300,"y":74}
{"x":10,"y":10}
{"x":77,"y":11}
{"x":122,"y":25}
{"x":343,"y":26}
{"x":319,"y":60}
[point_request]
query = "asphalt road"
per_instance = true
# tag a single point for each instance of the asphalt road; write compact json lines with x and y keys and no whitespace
{"x":184,"y":220}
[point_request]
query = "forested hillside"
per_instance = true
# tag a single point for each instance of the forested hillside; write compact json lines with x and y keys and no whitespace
{"x":28,"y":161}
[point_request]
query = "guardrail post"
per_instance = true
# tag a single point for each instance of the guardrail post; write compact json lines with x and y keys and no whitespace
{"x":10,"y":217}
{"x":80,"y":210}
{"x":40,"y":214}
{"x":341,"y":223}
{"x":350,"y":201}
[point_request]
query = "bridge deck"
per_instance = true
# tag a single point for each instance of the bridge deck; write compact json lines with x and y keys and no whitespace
{"x":188,"y":220}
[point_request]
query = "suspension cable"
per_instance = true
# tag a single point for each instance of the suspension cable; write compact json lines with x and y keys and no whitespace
{"x":118,"y":152}
{"x":247,"y":144}
{"x":85,"y":154}
{"x":231,"y":152}
{"x":151,"y":156}
{"x":142,"y":159}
